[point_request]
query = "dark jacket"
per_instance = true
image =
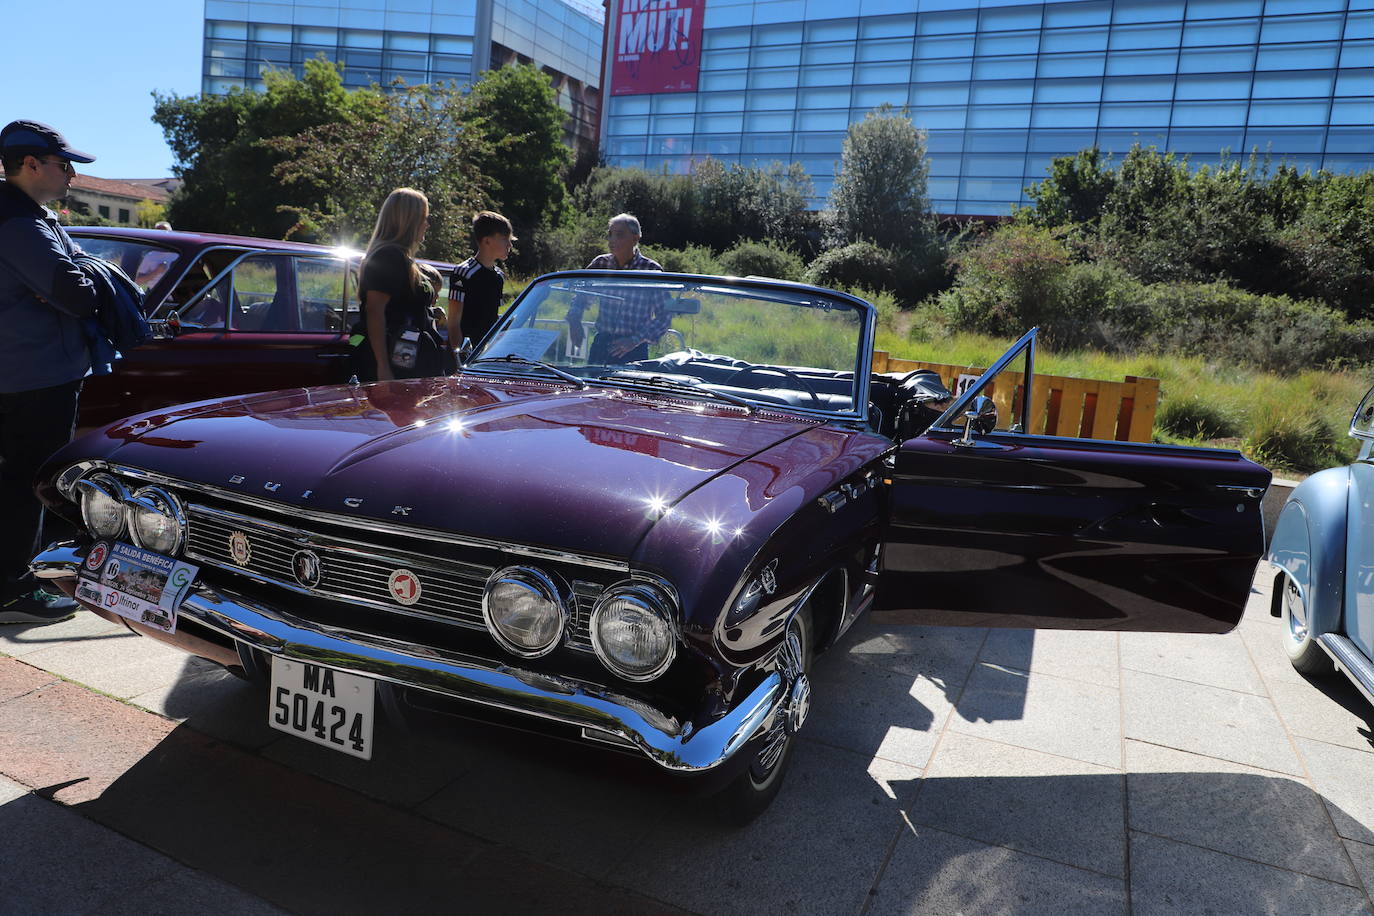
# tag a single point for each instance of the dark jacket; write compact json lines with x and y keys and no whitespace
{"x":43,"y":298}
{"x":118,"y":325}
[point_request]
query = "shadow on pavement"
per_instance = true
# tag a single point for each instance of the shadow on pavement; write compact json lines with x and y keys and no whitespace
{"x":530,"y":824}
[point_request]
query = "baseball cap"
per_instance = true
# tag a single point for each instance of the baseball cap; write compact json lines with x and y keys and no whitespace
{"x":38,"y":139}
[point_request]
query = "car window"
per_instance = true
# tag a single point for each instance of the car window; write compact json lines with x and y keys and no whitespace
{"x":261,"y":293}
{"x":145,"y":264}
{"x":1006,"y":388}
{"x":320,"y":286}
{"x":208,"y":311}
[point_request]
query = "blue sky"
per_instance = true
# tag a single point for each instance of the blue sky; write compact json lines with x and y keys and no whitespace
{"x":88,"y":67}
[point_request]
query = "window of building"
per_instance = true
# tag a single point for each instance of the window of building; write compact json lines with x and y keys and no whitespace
{"x":1147,"y":10}
{"x":1066,"y":15}
{"x":1057,"y":41}
{"x":1220,"y":9}
{"x":123,"y":215}
{"x":103,"y":210}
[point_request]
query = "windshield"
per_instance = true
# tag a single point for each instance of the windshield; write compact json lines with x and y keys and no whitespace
{"x":145,"y":264}
{"x":796,"y":347}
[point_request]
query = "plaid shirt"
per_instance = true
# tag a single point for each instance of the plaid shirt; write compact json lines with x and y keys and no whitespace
{"x":641,"y":313}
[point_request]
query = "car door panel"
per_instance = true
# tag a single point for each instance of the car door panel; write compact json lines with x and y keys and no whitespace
{"x":224,"y":348}
{"x":1040,"y":531}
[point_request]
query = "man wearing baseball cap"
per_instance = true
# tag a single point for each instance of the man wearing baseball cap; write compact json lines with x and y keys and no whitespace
{"x":43,"y":352}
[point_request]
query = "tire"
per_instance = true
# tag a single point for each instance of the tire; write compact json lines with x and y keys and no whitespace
{"x":1298,"y":639}
{"x":751,"y":792}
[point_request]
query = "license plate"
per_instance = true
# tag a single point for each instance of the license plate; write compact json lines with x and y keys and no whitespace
{"x":139,"y":585}
{"x":322,"y":705}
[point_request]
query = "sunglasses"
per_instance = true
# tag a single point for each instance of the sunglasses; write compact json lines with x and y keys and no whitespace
{"x":62,"y":164}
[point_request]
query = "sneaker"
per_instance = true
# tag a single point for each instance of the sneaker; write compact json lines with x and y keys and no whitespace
{"x":37,"y":607}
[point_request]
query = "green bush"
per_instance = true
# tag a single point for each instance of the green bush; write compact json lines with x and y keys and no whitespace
{"x":1220,"y":322}
{"x":1023,"y":276}
{"x":1197,"y":418}
{"x":859,"y":264}
{"x":567,"y":247}
{"x":693,"y":259}
{"x":1293,"y":437}
{"x":763,"y":259}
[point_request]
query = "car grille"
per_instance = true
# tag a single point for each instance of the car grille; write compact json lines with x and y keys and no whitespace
{"x":358,"y":573}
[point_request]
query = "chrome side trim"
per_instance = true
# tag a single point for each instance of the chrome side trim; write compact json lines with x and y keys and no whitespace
{"x":672,"y":744}
{"x":364,"y":524}
{"x":1351,"y":660}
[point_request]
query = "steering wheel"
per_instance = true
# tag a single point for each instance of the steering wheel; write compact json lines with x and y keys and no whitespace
{"x":802,"y":383}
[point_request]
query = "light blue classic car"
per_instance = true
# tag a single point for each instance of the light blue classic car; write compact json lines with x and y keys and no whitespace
{"x":1323,"y":547}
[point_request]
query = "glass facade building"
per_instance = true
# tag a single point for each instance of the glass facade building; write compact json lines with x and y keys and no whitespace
{"x":419,"y":41}
{"x":1004,"y":87}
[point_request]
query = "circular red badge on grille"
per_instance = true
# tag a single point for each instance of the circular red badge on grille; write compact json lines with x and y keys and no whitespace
{"x":96,"y":557}
{"x":404,"y":586}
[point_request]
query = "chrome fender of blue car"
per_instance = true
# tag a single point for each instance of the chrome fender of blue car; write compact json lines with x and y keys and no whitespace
{"x":1309,"y":545}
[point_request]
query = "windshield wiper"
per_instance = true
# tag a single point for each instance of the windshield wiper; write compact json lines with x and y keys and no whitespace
{"x":663,"y":381}
{"x":512,"y":358}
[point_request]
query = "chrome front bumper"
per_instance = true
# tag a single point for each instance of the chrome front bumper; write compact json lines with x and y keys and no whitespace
{"x":603,"y":714}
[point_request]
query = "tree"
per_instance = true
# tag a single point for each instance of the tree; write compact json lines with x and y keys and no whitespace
{"x":516,"y":110}
{"x":880,"y":191}
{"x":334,"y":177}
{"x":222,"y":156}
{"x":147,"y":213}
{"x":1074,"y":192}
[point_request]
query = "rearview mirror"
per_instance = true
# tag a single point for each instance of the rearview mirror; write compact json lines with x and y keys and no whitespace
{"x":683,"y":307}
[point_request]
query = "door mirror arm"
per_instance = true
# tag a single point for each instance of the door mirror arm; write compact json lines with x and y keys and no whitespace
{"x":980,"y":418}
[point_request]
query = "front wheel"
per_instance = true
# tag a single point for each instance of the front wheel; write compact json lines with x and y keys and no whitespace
{"x":1298,"y":639}
{"x":750,"y":793}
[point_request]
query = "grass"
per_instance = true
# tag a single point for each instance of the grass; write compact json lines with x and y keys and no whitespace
{"x":1293,"y":424}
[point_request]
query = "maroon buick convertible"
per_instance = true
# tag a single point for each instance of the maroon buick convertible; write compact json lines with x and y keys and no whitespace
{"x":239,"y":315}
{"x":643,"y":555}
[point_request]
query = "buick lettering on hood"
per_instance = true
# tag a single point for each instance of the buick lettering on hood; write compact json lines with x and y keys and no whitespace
{"x":643,"y":547}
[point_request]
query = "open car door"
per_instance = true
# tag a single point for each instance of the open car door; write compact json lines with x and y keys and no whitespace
{"x":993,"y":525}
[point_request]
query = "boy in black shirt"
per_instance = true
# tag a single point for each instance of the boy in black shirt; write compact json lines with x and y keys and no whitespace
{"x":474,"y":293}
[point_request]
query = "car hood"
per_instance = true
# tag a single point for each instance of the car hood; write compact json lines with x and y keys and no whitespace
{"x":514,"y":460}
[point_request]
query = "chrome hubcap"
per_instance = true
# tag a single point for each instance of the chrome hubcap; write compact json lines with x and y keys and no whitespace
{"x":796,"y":706}
{"x":1297,"y":614}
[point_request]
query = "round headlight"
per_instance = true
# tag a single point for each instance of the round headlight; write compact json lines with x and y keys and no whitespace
{"x":632,"y":630}
{"x":524,"y":610}
{"x":102,"y":505}
{"x":156,"y":520}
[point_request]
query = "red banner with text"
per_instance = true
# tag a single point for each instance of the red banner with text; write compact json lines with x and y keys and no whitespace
{"x":657,"y":46}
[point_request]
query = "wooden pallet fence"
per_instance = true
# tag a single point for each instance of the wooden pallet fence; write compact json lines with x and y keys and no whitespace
{"x":1060,"y":405}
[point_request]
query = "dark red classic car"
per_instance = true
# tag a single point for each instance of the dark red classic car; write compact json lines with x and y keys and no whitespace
{"x":644,"y":555}
{"x":247,"y":315}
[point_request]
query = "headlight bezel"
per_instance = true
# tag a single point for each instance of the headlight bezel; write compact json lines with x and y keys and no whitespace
{"x":148,"y":499}
{"x":657,"y":600}
{"x":545,"y":586}
{"x":107,"y":485}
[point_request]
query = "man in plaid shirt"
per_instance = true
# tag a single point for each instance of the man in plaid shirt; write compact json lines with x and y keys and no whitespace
{"x":624,"y":328}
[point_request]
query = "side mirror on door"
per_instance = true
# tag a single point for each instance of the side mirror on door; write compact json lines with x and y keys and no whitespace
{"x":164,"y":328}
{"x":980,"y":418}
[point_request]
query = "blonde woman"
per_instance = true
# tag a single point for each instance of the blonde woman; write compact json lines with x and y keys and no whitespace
{"x":399,"y":339}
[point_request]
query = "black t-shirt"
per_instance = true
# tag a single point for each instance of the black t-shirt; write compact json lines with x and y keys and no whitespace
{"x":479,"y":289}
{"x":388,"y":271}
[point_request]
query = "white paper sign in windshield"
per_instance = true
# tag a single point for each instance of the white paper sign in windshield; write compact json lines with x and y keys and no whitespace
{"x":530,"y":343}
